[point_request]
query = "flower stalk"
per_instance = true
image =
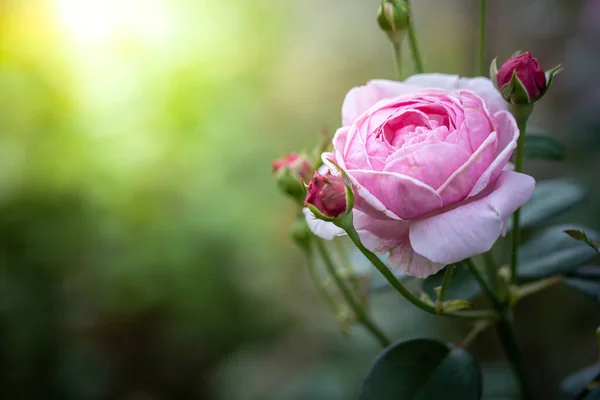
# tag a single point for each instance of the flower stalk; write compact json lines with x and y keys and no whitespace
{"x":346,"y":224}
{"x":509,"y":343}
{"x":413,"y":42}
{"x":393,"y":19}
{"x":398,"y":60}
{"x":504,"y":329}
{"x":481,"y":68}
{"x":321,"y":288}
{"x":489,"y":291}
{"x":354,"y":305}
{"x":474,"y":332}
{"x":521,"y":113}
{"x":445,"y":282}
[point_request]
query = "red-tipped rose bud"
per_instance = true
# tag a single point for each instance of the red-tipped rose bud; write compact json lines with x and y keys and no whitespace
{"x":297,"y":163}
{"x":291,"y":172}
{"x":329,"y":197}
{"x":524,"y":71}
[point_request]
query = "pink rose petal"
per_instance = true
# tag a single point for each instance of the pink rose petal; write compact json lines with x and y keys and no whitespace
{"x":404,"y":196}
{"x":474,"y":227}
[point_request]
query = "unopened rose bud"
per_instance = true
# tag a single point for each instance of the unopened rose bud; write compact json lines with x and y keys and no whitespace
{"x":291,"y":172}
{"x":392,"y":17}
{"x":521,"y":79}
{"x":329,"y":196}
{"x":299,"y":164}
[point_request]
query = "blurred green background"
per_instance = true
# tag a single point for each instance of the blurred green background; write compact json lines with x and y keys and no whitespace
{"x":143,"y":244}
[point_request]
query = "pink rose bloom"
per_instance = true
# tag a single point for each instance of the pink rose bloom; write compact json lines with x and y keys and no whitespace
{"x":427,"y":158}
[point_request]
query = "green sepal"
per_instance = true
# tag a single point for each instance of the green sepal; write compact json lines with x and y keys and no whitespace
{"x":550,"y":76}
{"x":514,"y":92}
{"x":290,"y":184}
{"x":494,"y":72}
{"x":455,"y":305}
{"x":318,"y":213}
{"x":349,"y":186}
{"x":582,"y":236}
{"x":424,"y":297}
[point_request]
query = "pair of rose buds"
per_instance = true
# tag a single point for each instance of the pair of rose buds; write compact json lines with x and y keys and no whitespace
{"x":423,"y":165}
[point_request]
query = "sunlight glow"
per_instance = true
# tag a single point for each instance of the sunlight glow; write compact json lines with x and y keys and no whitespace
{"x":101,"y":21}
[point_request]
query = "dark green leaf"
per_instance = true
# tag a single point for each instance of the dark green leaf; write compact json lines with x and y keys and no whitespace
{"x":552,"y":252}
{"x":462,"y":284}
{"x":586,"y":286}
{"x":581,"y":235}
{"x":543,"y":146}
{"x":585,"y":279}
{"x":550,"y":198}
{"x":499,"y":383}
{"x":575,"y":384}
{"x":590,"y":272}
{"x":422,"y":369}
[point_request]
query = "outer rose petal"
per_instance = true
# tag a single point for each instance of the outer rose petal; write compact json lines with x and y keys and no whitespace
{"x":472,"y":228}
{"x":432,"y":164}
{"x":364,"y":200}
{"x":379,"y":235}
{"x":483,"y":87}
{"x":404,"y":196}
{"x":339,"y":143}
{"x":323,"y":229}
{"x":382,"y":236}
{"x":361,"y":98}
{"x":405,"y":260}
{"x":508,"y":133}
{"x":462,"y":179}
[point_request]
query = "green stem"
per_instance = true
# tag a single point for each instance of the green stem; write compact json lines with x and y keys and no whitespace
{"x":504,"y":329}
{"x":360,"y":313}
{"x":598,"y":340}
{"x":484,"y":284}
{"x":327,"y":296}
{"x":413,"y":42}
{"x":445,"y":282}
{"x":534,"y":287}
{"x":590,"y":387}
{"x":509,"y":343}
{"x":490,"y":268}
{"x":481,"y":69}
{"x":398,"y":59}
{"x":521,"y":114}
{"x":474,"y":332}
{"x":346,"y":224}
